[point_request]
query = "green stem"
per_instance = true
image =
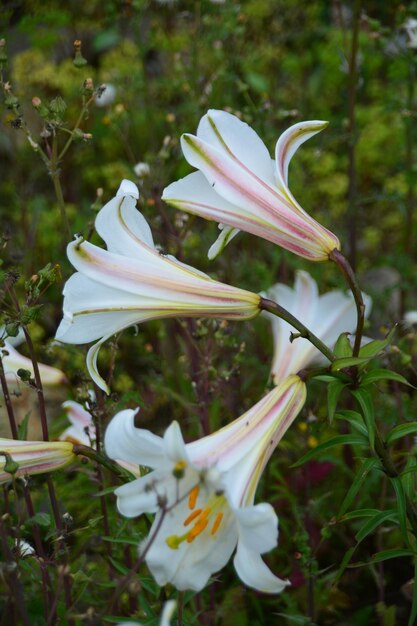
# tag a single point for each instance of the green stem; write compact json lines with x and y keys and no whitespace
{"x":279,"y":311}
{"x":54,"y":172}
{"x":388,"y":464}
{"x":84,"y":112}
{"x":350,"y":278}
{"x":92,"y":454}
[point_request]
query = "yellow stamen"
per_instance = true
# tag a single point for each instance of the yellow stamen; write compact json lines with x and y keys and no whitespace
{"x":192,"y":498}
{"x":197,"y":530}
{"x":192,"y":516}
{"x":217,"y":523}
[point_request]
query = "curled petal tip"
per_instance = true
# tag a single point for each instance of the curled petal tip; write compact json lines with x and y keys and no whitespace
{"x":127,"y":188}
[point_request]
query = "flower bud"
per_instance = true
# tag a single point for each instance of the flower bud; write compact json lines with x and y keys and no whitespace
{"x":88,"y":86}
{"x":79,"y":60}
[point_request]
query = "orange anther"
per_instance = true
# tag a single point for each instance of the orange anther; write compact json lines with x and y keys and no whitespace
{"x":197,"y":530}
{"x":192,"y":516}
{"x":192,"y":498}
{"x":217,"y":523}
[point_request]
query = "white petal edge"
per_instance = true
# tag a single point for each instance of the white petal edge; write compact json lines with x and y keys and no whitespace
{"x":227,"y":234}
{"x":91,"y":361}
{"x":127,"y":188}
{"x":122,"y":440}
{"x":253,"y":572}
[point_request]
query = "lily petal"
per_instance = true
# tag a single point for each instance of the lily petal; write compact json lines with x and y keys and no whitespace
{"x":258,"y":527}
{"x":287,"y":146}
{"x":227,"y":234}
{"x":253,"y":572}
{"x":228,"y":133}
{"x":123,"y":440}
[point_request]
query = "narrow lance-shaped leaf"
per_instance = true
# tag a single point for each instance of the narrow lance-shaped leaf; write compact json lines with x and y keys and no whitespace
{"x":376,"y":375}
{"x":334,"y":389}
{"x":340,"y":440}
{"x":360,"y":478}
{"x":365,"y":402}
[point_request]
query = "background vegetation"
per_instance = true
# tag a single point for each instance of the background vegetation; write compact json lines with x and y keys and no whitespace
{"x":272,"y":63}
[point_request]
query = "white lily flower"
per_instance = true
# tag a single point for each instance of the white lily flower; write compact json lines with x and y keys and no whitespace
{"x":327,"y":316}
{"x":32,"y":457}
{"x":131,"y":282}
{"x":13,"y":361}
{"x":205,"y":492}
{"x":240,"y":187}
{"x":166,"y":615}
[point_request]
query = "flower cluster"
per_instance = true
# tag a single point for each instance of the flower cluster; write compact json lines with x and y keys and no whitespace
{"x":203,"y":493}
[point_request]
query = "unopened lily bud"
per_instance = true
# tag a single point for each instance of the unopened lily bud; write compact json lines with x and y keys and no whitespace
{"x":79,"y":60}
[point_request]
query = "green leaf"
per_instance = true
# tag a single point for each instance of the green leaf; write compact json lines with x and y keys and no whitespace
{"x":123,"y":540}
{"x":373,"y":348}
{"x":345,"y":561}
{"x":390,"y":554}
{"x":22,"y":429}
{"x":349,"y":361}
{"x":41,"y":519}
{"x":340,"y":440}
{"x":402,"y":430}
{"x":401,"y":506}
{"x":379,"y":518}
{"x":381,"y":374}
{"x":354,"y":418}
{"x":358,"y":514}
{"x":342,"y":346}
{"x":365,"y":402}
{"x":334,"y":390}
{"x":358,"y":481}
{"x":407,"y":478}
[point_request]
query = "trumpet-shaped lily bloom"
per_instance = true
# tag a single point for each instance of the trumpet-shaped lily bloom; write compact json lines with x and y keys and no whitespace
{"x":240,"y":187}
{"x":131,"y":282}
{"x":19,"y":458}
{"x":327,"y":316}
{"x":203,"y":492}
{"x":13,"y":361}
